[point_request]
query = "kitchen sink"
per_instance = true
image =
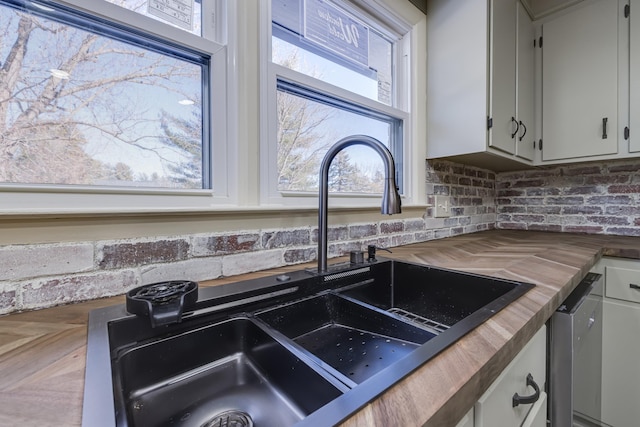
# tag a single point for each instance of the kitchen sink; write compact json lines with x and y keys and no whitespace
{"x":432,"y":296}
{"x":300,"y":349}
{"x":231,"y":368}
{"x":351,"y":338}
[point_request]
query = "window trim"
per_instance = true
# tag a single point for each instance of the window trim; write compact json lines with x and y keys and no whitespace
{"x":402,"y":71}
{"x":237,"y":44}
{"x":15,"y":197}
{"x":383,"y":115}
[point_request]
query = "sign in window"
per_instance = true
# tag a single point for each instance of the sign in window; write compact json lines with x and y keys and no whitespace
{"x":177,"y":12}
{"x":335,"y":30}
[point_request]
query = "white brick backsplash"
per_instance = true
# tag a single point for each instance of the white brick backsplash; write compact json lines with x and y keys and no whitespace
{"x":197,"y":269}
{"x":39,"y":276}
{"x":20,"y":262}
{"x":252,"y":261}
{"x":8,"y":297}
{"x":66,"y":289}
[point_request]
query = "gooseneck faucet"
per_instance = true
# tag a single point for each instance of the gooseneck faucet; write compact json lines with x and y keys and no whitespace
{"x":390,"y":197}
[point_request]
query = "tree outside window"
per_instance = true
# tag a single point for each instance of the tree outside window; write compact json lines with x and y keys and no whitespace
{"x":93,"y":107}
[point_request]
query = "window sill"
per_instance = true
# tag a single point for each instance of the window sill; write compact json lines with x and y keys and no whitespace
{"x":256,"y":211}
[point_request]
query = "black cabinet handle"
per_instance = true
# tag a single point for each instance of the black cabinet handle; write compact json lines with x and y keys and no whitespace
{"x":604,"y":127}
{"x":527,"y":400}
{"x":634,"y":286}
{"x":523,"y":133}
{"x":513,"y":119}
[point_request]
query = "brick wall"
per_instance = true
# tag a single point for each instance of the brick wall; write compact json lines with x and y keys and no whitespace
{"x":472,"y":198}
{"x":44,"y":275}
{"x":595,"y":198}
{"x":38,"y":276}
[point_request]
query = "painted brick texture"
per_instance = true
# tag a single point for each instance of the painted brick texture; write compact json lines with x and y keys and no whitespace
{"x":39,"y":276}
{"x":594,"y":198}
{"x":601,"y":198}
{"x":472,"y":196}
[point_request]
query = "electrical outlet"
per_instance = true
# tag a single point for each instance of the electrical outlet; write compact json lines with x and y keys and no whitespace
{"x":442,"y":207}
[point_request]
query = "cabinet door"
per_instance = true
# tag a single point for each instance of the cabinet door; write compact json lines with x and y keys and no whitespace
{"x":620,"y":356}
{"x":457,"y":77}
{"x":525,"y":139}
{"x":634,"y":80}
{"x":579,"y":82}
{"x":502,"y":63}
{"x":495,"y":407}
{"x":620,"y":345}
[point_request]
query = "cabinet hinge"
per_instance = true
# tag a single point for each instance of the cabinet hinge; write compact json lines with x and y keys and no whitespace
{"x":626,"y":132}
{"x":627,"y":10}
{"x":489,"y":122}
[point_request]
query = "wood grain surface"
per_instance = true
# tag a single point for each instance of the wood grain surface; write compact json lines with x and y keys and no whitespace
{"x":42,"y":353}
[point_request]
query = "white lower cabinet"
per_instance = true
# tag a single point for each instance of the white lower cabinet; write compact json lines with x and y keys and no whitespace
{"x":496,"y":406}
{"x":620,"y":343}
{"x":467,"y":420}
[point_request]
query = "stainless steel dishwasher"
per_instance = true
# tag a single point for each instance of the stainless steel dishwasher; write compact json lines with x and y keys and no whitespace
{"x":575,"y":368}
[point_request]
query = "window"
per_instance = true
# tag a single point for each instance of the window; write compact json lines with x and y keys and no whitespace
{"x":309,"y":122}
{"x":333,"y":73}
{"x":90,"y":103}
{"x":119,"y":106}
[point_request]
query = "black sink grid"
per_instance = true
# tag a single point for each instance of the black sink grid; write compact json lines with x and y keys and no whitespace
{"x":302,"y":350}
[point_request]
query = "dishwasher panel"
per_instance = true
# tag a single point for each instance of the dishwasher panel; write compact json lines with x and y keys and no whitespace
{"x":575,"y":373}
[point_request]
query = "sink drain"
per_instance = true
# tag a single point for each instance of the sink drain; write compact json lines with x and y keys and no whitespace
{"x":230,"y":419}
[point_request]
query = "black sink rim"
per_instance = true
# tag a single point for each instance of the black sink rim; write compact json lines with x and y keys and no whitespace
{"x":99,"y":406}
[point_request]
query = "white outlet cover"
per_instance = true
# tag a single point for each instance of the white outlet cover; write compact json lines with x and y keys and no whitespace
{"x":442,"y":207}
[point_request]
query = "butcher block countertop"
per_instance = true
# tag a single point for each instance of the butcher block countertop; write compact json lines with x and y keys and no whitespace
{"x":42,"y":353}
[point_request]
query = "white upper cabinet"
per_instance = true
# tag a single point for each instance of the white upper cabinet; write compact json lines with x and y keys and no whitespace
{"x":634,"y":79}
{"x":525,"y":86}
{"x":473,"y":82}
{"x":497,"y":100}
{"x":457,"y":77}
{"x":502,"y":81}
{"x":580,"y":82}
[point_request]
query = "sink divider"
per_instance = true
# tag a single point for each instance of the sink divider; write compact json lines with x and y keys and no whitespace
{"x":351,"y":340}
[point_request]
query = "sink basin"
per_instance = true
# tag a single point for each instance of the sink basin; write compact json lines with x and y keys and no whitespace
{"x":229,"y":368}
{"x":302,"y":349}
{"x":355,"y":340}
{"x":433,"y":297}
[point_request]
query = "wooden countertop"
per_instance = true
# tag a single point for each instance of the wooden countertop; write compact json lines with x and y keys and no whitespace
{"x":42,"y":353}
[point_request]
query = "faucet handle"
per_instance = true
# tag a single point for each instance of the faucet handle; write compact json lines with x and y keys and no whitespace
{"x":371,"y":252}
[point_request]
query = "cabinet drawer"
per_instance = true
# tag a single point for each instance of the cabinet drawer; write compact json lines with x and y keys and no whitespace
{"x":495,"y":407}
{"x":538,"y":415}
{"x":622,"y":283}
{"x":467,"y":421}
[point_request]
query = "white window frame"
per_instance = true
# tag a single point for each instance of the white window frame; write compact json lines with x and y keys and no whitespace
{"x":60,"y":199}
{"x":399,"y":17}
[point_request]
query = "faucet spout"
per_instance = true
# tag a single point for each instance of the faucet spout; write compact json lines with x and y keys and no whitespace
{"x":390,"y":198}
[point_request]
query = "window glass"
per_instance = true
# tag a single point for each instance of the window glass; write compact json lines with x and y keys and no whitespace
{"x":87,"y":104}
{"x":309,"y":123}
{"x":315,"y":42}
{"x":334,"y":46}
{"x":185,"y":14}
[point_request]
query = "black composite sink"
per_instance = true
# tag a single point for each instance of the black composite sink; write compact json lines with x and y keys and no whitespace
{"x":231,"y":367}
{"x":433,"y":296}
{"x":355,"y":340}
{"x":299,"y":349}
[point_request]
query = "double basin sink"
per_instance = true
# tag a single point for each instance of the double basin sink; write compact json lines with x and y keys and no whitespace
{"x":298,"y":349}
